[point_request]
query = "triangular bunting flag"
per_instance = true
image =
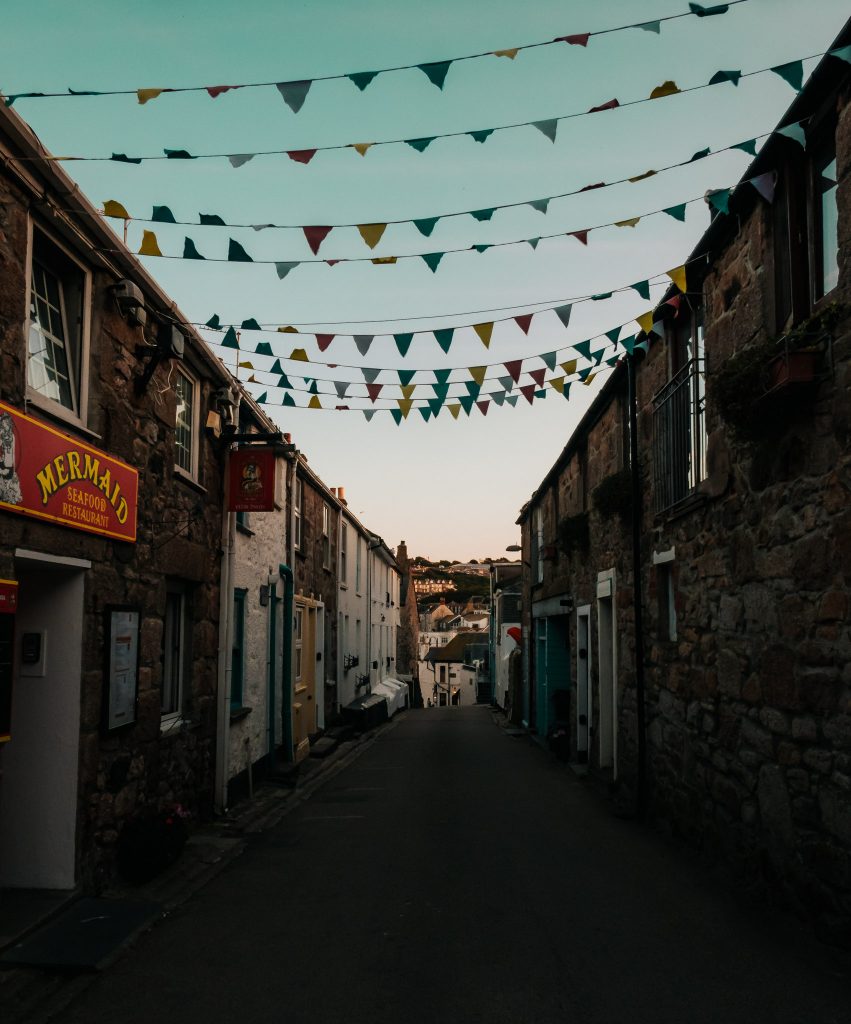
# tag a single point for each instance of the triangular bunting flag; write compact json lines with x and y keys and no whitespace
{"x":484,"y":332}
{"x":341,"y":386}
{"x":549,"y":359}
{"x":149,"y":246}
{"x":481,"y":135}
{"x":678,"y":276}
{"x":368,"y":413}
{"x":432,"y":260}
{"x":420,"y":145}
{"x":162,"y":215}
{"x":251,"y":325}
{"x":583,"y":348}
{"x":363,"y":341}
{"x":112,"y":208}
{"x":283,"y":269}
{"x":441,"y":391}
{"x":538,"y":376}
{"x":708,"y":12}
{"x":746,"y":147}
{"x":324,"y":340}
{"x":579,"y":39}
{"x":314,"y":387}
{"x":230,"y":339}
{"x":214,"y":322}
{"x":284,"y":381}
{"x":370,"y":374}
{"x":435,"y":405}
{"x":533,"y":242}
{"x":212,"y":219}
{"x":467,"y":402}
{"x":404,"y":406}
{"x":507,"y":383}
{"x":236,"y":254}
{"x":143,"y":95}
{"x":630,"y":222}
{"x":515,"y":368}
{"x":315,"y":236}
{"x":524,"y":322}
{"x":483,"y":214}
{"x":528,"y":392}
{"x":373,"y":390}
{"x":791,"y":73}
{"x":483,"y":407}
{"x":299,"y":355}
{"x":563,"y":313}
{"x":294,"y":93}
{"x":362,"y":78}
{"x":641,"y":177}
{"x":379,"y":260}
{"x":569,"y":367}
{"x":454,"y":409}
{"x":436,"y":72}
{"x":301,"y":156}
{"x":189,"y":250}
{"x":608,"y":105}
{"x":613,"y":335}
{"x":701,"y":154}
{"x":425,"y":412}
{"x":512,"y":399}
{"x":842,"y":52}
{"x":444,"y":337}
{"x":405,"y":376}
{"x":441,"y":376}
{"x":589,"y":378}
{"x":582,"y":236}
{"x":478,"y":373}
{"x":263,"y":349}
{"x":473,"y":389}
{"x":511,"y":54}
{"x":557,"y":384}
{"x":628,"y":343}
{"x":643,"y":289}
{"x":794,"y":132}
{"x":651,"y":26}
{"x":498,"y":397}
{"x":122,"y":158}
{"x":403,"y":342}
{"x":598,"y":356}
{"x":677,"y":212}
{"x":481,"y":248}
{"x":362,"y":147}
{"x":645,"y":321}
{"x":725,"y":76}
{"x":287,"y":330}
{"x":178,"y":154}
{"x":600,"y":296}
{"x":766,"y":185}
{"x":426,"y":225}
{"x":314,"y":403}
{"x":407,"y":390}
{"x":539,"y":204}
{"x":719,"y":199}
{"x":288,"y":399}
{"x":371,"y":233}
{"x":548,"y":127}
{"x":668,"y":88}
{"x":238,"y":159}
{"x":260,"y":399}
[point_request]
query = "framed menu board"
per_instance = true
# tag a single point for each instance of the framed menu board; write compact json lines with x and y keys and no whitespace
{"x":122,"y":667}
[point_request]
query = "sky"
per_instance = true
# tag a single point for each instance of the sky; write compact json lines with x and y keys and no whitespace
{"x":450,"y":488}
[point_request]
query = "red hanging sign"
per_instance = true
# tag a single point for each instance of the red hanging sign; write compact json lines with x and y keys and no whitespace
{"x":252,"y":480}
{"x":50,"y":475}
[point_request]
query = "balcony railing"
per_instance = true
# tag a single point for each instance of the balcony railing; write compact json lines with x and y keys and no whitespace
{"x":679,"y":436}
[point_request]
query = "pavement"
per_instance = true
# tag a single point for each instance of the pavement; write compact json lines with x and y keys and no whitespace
{"x":449,"y":870}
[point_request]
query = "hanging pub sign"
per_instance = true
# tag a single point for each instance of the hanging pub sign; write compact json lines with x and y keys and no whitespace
{"x":50,"y":475}
{"x":252,"y":480}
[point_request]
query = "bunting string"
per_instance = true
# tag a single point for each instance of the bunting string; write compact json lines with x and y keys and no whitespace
{"x":791,"y":72}
{"x":294,"y":93}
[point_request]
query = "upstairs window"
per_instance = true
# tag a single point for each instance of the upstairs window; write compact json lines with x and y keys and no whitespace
{"x":357,"y":563}
{"x":298,"y":500}
{"x":825,"y":217}
{"x":344,"y":554}
{"x":538,"y":545}
{"x":326,"y":537}
{"x":186,"y":425}
{"x":55,"y":342}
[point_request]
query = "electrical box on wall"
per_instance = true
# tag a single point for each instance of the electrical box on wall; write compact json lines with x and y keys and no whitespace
{"x":34,"y":654}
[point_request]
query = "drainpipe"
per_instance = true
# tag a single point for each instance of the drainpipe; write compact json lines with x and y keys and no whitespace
{"x":641,"y":796}
{"x":224,"y":667}
{"x":271,"y":672}
{"x":286,"y":575}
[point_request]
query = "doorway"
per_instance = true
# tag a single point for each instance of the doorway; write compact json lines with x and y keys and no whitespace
{"x":607,"y":676}
{"x":583,"y":690}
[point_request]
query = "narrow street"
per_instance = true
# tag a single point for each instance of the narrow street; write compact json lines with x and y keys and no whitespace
{"x":455,"y":873}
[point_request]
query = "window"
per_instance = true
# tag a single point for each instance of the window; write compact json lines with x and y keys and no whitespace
{"x":357,"y":637}
{"x":237,"y":661}
{"x":538,"y":545}
{"x":326,"y":537}
{"x":357,"y":564}
{"x":186,"y":427}
{"x":679,"y":415}
{"x":344,"y":553}
{"x":55,"y":351}
{"x":175,"y":657}
{"x":299,"y":636}
{"x":297,"y":507}
{"x":825,"y":220}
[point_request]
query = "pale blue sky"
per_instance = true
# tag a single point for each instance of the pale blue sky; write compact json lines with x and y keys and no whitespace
{"x":451,"y":489}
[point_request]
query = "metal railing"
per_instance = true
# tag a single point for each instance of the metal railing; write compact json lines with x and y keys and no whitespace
{"x":679,"y":436}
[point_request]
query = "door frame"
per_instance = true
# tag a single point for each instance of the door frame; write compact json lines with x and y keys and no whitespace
{"x":607,"y":660}
{"x":584,"y":704}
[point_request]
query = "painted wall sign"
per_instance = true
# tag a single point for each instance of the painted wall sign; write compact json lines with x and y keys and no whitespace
{"x":252,"y":480}
{"x":50,"y":475}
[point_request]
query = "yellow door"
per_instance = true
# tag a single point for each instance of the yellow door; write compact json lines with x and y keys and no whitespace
{"x":304,"y":678}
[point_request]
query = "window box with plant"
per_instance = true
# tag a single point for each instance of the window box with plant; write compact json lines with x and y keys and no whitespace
{"x":573,"y":533}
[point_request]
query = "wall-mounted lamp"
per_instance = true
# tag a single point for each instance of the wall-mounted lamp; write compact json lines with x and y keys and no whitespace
{"x":170,"y":345}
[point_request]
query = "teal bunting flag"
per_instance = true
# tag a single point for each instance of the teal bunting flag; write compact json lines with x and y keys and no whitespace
{"x":643,"y":289}
{"x":842,"y":52}
{"x":277,"y":368}
{"x":211,"y":219}
{"x":512,"y":399}
{"x":122,"y":158}
{"x":288,"y":399}
{"x":651,"y":26}
{"x":435,"y":405}
{"x":725,"y":76}
{"x":178,"y":154}
{"x":444,"y":337}
{"x":263,"y":349}
{"x":370,"y":374}
{"x":425,"y":412}
{"x":719,"y":199}
{"x":251,"y":325}
{"x":583,"y":348}
{"x":261,"y":399}
{"x":677,"y":212}
{"x":563,"y":313}
{"x":541,"y":394}
{"x":791,"y":73}
{"x":549,"y":359}
{"x":566,"y":391}
{"x":533,"y":242}
{"x":426,"y":225}
{"x":363,"y":341}
{"x":748,"y":147}
{"x":701,"y":154}
{"x":548,"y":127}
{"x":406,"y":376}
{"x":313,"y":389}
{"x":436,"y":72}
{"x":362,"y":80}
{"x":628,"y":343}
{"x":467,"y":403}
{"x":238,"y":159}
{"x":420,"y":145}
{"x":497,"y":396}
{"x":643,"y":346}
{"x":795,"y":132}
{"x":294,"y":93}
{"x":162,"y":215}
{"x":473,"y":388}
{"x":613,"y":335}
{"x":341,"y":387}
{"x":507,"y":383}
{"x":481,"y":135}
{"x":403,"y":343}
{"x":368,"y":413}
{"x":189,"y":250}
{"x":432,"y":260}
{"x":236,"y":254}
{"x":441,"y":376}
{"x":441,"y":391}
{"x":483,"y":214}
{"x":598,"y":356}
{"x":708,"y":12}
{"x":214,"y":320}
{"x":601,"y":296}
{"x":230,"y":339}
{"x":584,"y":373}
{"x":284,"y":381}
{"x":283,"y":269}
{"x":481,"y":248}
{"x":539,"y":204}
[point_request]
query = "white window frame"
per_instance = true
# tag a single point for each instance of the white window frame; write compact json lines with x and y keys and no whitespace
{"x":194,"y":438}
{"x":298,"y":501}
{"x":539,"y":544}
{"x":326,"y":536}
{"x":344,"y":553}
{"x":358,"y":542}
{"x":298,"y":642}
{"x":175,"y":601}
{"x":79,"y":416}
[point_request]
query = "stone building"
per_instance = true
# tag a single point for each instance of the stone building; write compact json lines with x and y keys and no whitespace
{"x":743,"y":405}
{"x":409,"y":626}
{"x":110,"y":531}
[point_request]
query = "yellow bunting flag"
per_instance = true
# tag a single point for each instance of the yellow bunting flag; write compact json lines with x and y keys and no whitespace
{"x":299,"y":355}
{"x":112,"y":208}
{"x":645,"y":321}
{"x":143,"y":95}
{"x":252,"y":379}
{"x":405,"y":405}
{"x":454,"y":409}
{"x":384,"y":259}
{"x":629,"y":223}
{"x":511,"y":54}
{"x":407,"y":390}
{"x":149,"y":246}
{"x":589,"y":378}
{"x":246,"y":366}
{"x":678,"y":276}
{"x":569,"y":367}
{"x":478,"y":373}
{"x":362,"y":147}
{"x":287,"y":330}
{"x":484,"y":332}
{"x":314,"y":403}
{"x":668,"y":88}
{"x":641,"y":177}
{"x":557,"y":383}
{"x":371,"y":233}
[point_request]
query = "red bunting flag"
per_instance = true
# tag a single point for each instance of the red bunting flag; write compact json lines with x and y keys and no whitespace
{"x":301,"y":156}
{"x":579,"y":39}
{"x":332,"y":263}
{"x":483,"y":406}
{"x":588,"y":188}
{"x":315,"y":237}
{"x":217,"y":90}
{"x":538,"y":376}
{"x":524,"y":321}
{"x":604,"y":106}
{"x":515,"y":368}
{"x":581,"y":235}
{"x":528,"y":392}
{"x":324,"y":340}
{"x":374,"y":390}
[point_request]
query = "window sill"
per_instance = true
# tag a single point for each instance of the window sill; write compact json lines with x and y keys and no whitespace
{"x":189,"y":480}
{"x":172,"y":726}
{"x":682,"y":508}
{"x":59,"y":414}
{"x":237,"y":714}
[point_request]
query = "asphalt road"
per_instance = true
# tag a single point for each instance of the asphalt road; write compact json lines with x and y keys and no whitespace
{"x":455,"y":874}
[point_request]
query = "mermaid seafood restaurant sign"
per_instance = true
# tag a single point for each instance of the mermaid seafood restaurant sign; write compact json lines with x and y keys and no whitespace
{"x":53,"y":476}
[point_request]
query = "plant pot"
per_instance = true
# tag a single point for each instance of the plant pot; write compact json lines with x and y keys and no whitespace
{"x":792,"y":368}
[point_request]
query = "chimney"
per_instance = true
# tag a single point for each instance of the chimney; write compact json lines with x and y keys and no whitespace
{"x":333,"y":491}
{"x":341,"y":494}
{"x":288,"y":438}
{"x":402,"y":553}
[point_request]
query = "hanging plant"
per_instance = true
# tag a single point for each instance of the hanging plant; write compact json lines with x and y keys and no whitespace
{"x":613,"y":496}
{"x":573,"y":533}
